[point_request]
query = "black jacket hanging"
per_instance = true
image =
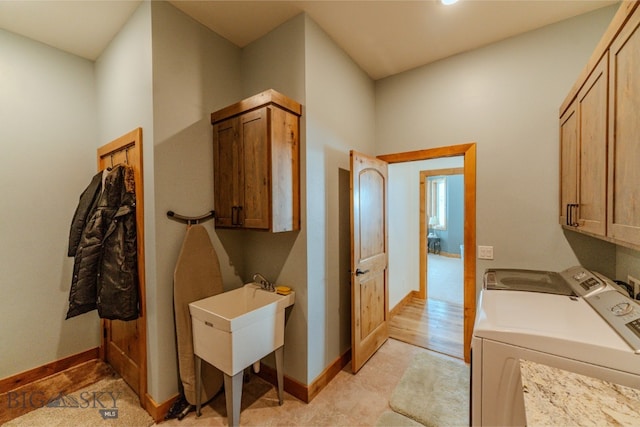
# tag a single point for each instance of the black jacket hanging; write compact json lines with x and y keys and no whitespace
{"x":105,"y":272}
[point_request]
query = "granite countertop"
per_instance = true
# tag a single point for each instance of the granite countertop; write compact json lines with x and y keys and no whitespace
{"x":554,"y":397}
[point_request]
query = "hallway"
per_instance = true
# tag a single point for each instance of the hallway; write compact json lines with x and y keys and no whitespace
{"x":438,"y":323}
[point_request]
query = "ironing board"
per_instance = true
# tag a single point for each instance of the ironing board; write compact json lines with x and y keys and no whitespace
{"x":196,"y":276}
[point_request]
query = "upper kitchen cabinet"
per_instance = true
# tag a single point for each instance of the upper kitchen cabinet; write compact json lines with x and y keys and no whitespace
{"x":256,"y":163}
{"x":624,"y":132}
{"x":600,"y":138}
{"x":583,"y":154}
{"x":569,"y":165}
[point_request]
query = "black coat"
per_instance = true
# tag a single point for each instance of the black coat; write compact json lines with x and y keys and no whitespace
{"x":103,"y":234}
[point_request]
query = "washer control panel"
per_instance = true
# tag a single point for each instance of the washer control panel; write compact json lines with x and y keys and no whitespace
{"x":583,"y":281}
{"x":621,"y":313}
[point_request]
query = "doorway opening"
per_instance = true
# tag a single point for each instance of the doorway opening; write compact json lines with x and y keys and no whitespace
{"x":442,"y":285}
{"x":442,"y":224}
{"x":466,"y":312}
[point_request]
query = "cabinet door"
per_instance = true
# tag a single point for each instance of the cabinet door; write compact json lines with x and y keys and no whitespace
{"x":226,"y":172}
{"x":592,"y":173}
{"x":624,"y":134}
{"x":254,"y":127}
{"x":568,"y":164}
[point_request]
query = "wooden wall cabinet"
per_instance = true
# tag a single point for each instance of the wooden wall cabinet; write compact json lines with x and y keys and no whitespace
{"x":583,"y":154}
{"x":600,"y":138}
{"x":624,"y":134}
{"x":256,"y":163}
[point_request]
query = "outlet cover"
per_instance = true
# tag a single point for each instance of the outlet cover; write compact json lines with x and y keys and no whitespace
{"x":635,"y":285}
{"x":485,"y":252}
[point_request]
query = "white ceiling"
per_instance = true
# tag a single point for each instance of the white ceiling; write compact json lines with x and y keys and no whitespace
{"x":383,"y":37}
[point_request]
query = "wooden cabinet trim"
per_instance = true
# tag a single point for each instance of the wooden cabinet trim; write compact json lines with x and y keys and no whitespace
{"x":268,"y":97}
{"x":617,"y":23}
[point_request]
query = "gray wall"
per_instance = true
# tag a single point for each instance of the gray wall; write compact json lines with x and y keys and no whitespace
{"x":506,"y":98}
{"x":193,"y":75}
{"x":340,"y":114}
{"x":48,"y":134}
{"x":455,"y":214}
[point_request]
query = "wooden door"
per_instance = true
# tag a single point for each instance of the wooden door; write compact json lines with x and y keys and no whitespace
{"x":624,"y":128}
{"x":123,"y":344}
{"x":568,"y":163}
{"x":369,"y":259}
{"x":592,"y":175}
{"x":226,"y":172}
{"x":255,"y":207}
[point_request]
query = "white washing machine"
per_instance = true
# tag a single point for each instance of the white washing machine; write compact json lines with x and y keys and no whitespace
{"x":575,"y":320}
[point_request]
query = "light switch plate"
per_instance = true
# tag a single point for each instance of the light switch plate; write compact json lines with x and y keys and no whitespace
{"x":485,"y":252}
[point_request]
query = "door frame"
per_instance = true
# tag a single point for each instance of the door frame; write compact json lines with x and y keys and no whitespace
{"x":469,"y":152}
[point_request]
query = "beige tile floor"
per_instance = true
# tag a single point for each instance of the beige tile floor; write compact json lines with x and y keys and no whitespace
{"x":348,"y":400}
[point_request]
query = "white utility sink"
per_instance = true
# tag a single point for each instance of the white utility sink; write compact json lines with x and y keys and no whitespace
{"x":234,"y":329}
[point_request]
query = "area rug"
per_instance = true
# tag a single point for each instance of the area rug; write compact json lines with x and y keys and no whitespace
{"x":393,"y":419}
{"x":434,"y":390}
{"x":109,"y":402}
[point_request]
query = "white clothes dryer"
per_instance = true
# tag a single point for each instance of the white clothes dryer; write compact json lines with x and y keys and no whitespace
{"x":553,"y":319}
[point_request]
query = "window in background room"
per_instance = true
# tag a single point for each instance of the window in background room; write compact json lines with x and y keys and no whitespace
{"x":437,"y":203}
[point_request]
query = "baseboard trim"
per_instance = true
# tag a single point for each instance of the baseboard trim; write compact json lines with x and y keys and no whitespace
{"x":328,"y":374}
{"x":35,"y":374}
{"x":404,"y":301}
{"x":158,"y":410}
{"x":450,"y":255}
{"x":301,"y":391}
{"x":291,"y":386}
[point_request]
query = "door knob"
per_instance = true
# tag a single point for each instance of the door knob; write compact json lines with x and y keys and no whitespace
{"x":360,"y":272}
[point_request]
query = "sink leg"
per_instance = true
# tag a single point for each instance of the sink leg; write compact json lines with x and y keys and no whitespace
{"x":198,"y":368}
{"x":233,"y":396}
{"x":279,"y":372}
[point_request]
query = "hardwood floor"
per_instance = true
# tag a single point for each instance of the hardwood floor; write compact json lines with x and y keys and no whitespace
{"x":432,"y":324}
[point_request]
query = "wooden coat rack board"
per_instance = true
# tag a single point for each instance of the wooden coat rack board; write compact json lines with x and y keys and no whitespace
{"x":124,"y":344}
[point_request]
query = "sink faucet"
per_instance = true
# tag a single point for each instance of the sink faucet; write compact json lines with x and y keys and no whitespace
{"x":264,"y":283}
